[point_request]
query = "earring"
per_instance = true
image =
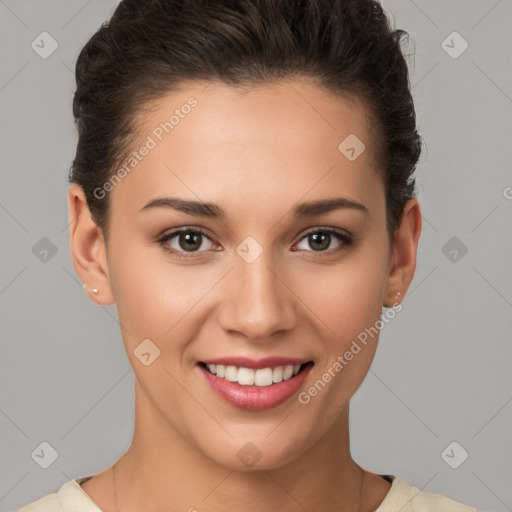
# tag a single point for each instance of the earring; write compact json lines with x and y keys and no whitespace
{"x":396,"y":299}
{"x":94,"y":290}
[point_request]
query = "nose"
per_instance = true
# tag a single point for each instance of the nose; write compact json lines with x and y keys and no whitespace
{"x":259,"y":302}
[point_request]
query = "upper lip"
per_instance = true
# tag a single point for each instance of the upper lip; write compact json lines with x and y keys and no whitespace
{"x":256,"y":364}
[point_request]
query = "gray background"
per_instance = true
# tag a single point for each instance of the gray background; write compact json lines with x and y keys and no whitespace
{"x":442,"y":370}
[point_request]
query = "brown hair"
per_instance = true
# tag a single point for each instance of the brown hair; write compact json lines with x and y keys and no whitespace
{"x":151,"y":47}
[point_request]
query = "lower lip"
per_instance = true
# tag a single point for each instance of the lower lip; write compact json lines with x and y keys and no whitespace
{"x":255,"y":398}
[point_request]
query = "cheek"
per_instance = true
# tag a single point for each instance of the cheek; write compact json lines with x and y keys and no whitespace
{"x":350,"y":297}
{"x":348,"y":303}
{"x":158,"y":300}
{"x":350,"y":306}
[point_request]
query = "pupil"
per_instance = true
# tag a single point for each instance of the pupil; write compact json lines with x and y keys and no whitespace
{"x":323,"y":239}
{"x":193,"y":239}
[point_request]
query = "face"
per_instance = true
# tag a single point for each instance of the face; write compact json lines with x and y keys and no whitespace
{"x":277,"y":266}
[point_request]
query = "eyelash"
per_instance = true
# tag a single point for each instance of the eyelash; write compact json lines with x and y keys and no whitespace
{"x":346,"y":240}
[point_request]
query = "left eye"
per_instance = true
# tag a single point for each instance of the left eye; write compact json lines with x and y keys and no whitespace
{"x":321,"y":239}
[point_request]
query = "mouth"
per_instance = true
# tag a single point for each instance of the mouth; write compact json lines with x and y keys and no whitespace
{"x":255,"y":386}
{"x":261,"y":377}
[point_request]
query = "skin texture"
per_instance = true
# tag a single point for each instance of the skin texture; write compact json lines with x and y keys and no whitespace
{"x":256,"y":153}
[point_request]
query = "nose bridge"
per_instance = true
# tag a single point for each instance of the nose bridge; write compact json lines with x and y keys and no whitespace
{"x":259,"y":302}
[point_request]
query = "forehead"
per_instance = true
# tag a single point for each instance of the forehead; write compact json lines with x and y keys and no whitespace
{"x":281,"y":142}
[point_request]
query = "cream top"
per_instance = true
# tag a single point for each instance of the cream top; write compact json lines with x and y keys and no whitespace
{"x":402,"y":497}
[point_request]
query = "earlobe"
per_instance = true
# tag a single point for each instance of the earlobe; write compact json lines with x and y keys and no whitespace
{"x":404,"y":255}
{"x":88,"y":248}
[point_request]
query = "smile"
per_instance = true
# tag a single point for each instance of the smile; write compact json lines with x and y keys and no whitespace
{"x":249,"y":377}
{"x":264,"y":386}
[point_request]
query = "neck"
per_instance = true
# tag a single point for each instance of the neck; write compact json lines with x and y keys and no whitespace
{"x":162,"y":471}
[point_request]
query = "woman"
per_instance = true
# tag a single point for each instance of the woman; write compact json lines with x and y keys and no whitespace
{"x":243,"y":192}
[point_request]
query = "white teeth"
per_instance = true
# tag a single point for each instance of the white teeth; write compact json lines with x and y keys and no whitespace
{"x":246,"y":376}
{"x":287,"y":372}
{"x":277,"y":374}
{"x":249,"y":377}
{"x":263,"y":377}
{"x":231,"y":373}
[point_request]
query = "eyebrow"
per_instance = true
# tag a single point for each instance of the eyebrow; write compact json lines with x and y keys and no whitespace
{"x":302,"y":210}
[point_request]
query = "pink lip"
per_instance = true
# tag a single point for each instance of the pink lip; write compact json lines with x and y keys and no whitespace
{"x":267,"y":362}
{"x":255,"y":398}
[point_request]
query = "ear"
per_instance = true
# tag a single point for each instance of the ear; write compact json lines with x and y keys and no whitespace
{"x":403,"y":260}
{"x":88,"y":247}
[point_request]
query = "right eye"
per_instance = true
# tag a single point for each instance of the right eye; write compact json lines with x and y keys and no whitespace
{"x":188,"y":242}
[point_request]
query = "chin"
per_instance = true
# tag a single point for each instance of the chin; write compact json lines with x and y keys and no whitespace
{"x":258,"y":452}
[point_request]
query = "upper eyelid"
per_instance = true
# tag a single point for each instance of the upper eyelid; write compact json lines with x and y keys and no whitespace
{"x":175,"y":232}
{"x":339,"y":231}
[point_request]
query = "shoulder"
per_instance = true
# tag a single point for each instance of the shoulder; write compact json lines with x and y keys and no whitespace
{"x":69,"y":498}
{"x":407,"y":498}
